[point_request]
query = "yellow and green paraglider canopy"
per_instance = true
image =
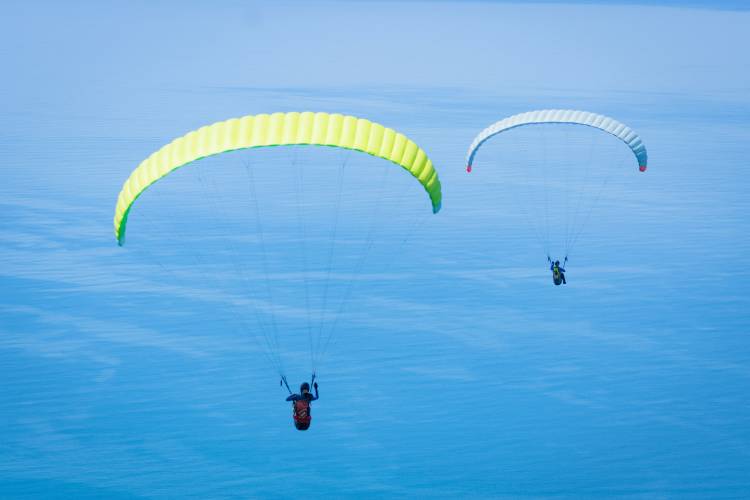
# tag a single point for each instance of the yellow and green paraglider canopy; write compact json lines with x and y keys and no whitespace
{"x":279,"y":129}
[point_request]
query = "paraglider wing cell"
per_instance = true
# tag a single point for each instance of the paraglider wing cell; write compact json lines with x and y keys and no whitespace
{"x":278,"y":129}
{"x":601,"y":122}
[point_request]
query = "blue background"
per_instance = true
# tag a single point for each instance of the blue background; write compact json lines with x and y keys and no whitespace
{"x":474,"y":376}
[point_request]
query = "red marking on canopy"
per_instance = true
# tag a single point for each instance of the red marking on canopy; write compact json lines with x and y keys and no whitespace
{"x":642,"y":168}
{"x":468,"y":168}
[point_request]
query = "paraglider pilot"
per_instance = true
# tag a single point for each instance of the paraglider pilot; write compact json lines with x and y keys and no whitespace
{"x":558,"y":273}
{"x":301,"y":405}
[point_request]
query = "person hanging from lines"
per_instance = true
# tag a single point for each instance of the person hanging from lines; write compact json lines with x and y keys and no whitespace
{"x":301,"y":403}
{"x":299,"y":134}
{"x":555,"y":143}
{"x":558,"y":273}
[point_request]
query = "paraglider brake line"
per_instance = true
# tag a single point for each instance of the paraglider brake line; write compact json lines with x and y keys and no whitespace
{"x":284,"y":382}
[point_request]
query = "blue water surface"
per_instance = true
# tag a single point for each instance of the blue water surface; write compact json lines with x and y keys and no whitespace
{"x":459,"y":370}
